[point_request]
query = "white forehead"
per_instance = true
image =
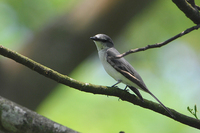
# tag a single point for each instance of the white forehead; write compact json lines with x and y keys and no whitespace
{"x":99,"y":35}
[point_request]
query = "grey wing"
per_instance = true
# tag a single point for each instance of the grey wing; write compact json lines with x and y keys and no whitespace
{"x":125,"y":68}
{"x":122,"y":66}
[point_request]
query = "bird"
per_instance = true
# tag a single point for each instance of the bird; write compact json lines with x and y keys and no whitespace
{"x":119,"y":68}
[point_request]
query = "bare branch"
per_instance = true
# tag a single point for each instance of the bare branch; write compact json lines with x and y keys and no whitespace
{"x":192,"y":2}
{"x":190,"y":9}
{"x":157,"y":45}
{"x":87,"y":87}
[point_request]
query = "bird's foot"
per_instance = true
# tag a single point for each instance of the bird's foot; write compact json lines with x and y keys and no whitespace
{"x":125,"y":89}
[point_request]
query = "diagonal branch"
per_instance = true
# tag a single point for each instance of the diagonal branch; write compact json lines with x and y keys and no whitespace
{"x":190,"y":9}
{"x":103,"y":90}
{"x":157,"y":45}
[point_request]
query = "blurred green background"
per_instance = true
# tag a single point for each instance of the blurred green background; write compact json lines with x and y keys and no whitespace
{"x":172,"y":72}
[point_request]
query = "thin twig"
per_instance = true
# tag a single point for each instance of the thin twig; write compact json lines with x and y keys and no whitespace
{"x":157,"y":45}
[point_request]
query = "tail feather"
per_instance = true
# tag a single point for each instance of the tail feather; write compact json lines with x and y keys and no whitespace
{"x":162,"y":104}
{"x":136,"y":91}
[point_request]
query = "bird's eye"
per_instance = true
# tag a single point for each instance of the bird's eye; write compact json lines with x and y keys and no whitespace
{"x":104,"y":40}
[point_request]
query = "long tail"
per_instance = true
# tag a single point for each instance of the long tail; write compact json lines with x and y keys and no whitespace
{"x":136,"y":91}
{"x":162,"y":104}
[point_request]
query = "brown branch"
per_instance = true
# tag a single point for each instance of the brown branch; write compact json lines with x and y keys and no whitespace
{"x":157,"y":45}
{"x":189,"y":8}
{"x":87,"y":87}
{"x":192,"y":2}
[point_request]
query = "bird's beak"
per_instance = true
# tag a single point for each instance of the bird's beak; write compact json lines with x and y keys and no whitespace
{"x":93,"y":38}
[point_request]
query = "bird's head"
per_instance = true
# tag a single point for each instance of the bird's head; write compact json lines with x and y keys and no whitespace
{"x":102,"y":41}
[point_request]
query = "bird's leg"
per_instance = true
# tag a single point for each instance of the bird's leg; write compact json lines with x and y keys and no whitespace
{"x":119,"y":81}
{"x":125,"y":87}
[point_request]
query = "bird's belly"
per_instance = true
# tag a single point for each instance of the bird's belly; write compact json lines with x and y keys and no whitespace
{"x":115,"y":74}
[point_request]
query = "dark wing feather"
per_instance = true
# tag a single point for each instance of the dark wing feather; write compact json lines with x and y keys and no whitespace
{"x":122,"y":66}
{"x":136,"y":91}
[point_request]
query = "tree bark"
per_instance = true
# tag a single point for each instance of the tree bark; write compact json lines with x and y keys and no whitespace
{"x":17,"y":119}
